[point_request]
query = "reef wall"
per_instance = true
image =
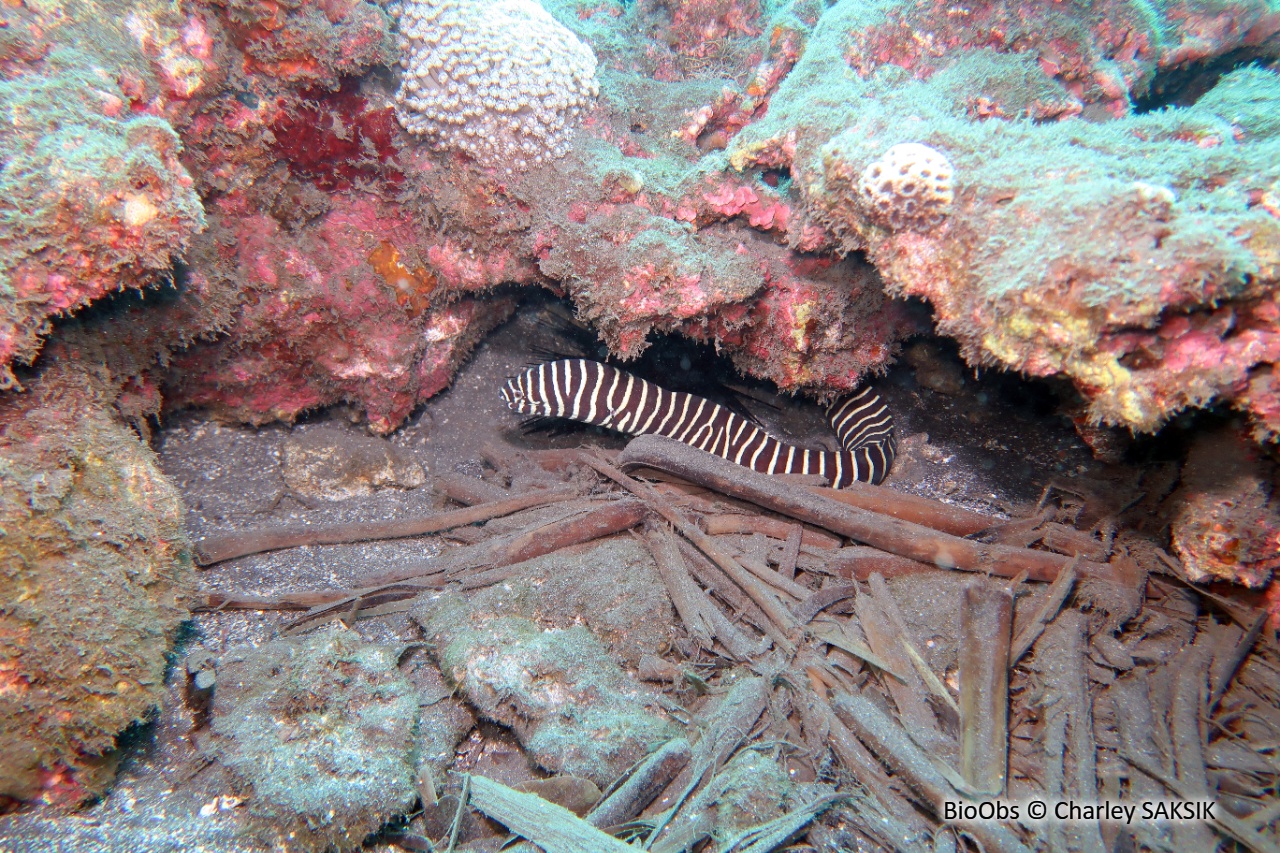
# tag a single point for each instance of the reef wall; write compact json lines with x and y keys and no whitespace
{"x":718,"y":185}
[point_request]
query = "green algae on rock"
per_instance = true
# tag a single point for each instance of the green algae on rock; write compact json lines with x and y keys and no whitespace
{"x":1132,"y":253}
{"x":572,"y":707}
{"x":322,"y":732}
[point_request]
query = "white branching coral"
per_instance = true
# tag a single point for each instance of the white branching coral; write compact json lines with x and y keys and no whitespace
{"x":910,"y":186}
{"x":500,"y":80}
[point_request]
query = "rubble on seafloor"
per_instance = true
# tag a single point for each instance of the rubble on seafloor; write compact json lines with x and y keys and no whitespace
{"x":261,"y":210}
{"x":496,"y":649}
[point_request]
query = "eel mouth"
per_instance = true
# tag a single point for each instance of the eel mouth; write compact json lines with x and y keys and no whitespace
{"x":510,"y":394}
{"x":514,"y":397}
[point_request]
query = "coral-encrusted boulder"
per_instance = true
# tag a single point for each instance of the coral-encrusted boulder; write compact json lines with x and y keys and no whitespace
{"x":95,"y":573}
{"x":306,"y":41}
{"x":338,"y":311}
{"x":321,"y":731}
{"x":1131,"y":250}
{"x":92,"y":199}
{"x":1226,"y":521}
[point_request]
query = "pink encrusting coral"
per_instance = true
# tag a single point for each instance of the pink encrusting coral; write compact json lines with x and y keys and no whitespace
{"x":92,"y":200}
{"x":1104,"y":57}
{"x":699,"y":27}
{"x":336,"y":313}
{"x":316,"y":42}
{"x":644,"y":235}
{"x":646,"y":227}
{"x":1134,"y":254}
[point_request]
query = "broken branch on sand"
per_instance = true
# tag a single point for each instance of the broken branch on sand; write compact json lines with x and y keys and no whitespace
{"x":228,"y":546}
{"x":913,"y":508}
{"x":783,"y":622}
{"x":986,"y":619}
{"x":906,"y":539}
{"x":475,"y":565}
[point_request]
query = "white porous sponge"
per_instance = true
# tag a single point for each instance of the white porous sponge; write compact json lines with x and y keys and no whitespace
{"x":910,"y":186}
{"x":500,"y":80}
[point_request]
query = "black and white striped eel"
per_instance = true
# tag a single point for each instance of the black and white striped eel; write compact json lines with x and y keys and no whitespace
{"x":596,"y":393}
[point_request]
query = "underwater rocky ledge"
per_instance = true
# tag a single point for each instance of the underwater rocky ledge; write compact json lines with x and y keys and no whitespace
{"x":261,"y":211}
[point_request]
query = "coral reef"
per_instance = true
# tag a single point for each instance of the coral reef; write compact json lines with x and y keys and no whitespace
{"x":92,"y":199}
{"x":307,"y":42}
{"x":1131,"y":255}
{"x":321,"y":732}
{"x":95,"y":573}
{"x":501,"y":81}
{"x":1141,"y":271}
{"x":331,"y":315}
{"x":711,"y":189}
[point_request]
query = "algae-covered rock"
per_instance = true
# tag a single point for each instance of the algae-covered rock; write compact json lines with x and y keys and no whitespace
{"x":321,"y":731}
{"x":1225,"y":518}
{"x":1129,"y":250}
{"x":569,"y":703}
{"x":613,"y":587}
{"x":93,"y":198}
{"x":95,"y":570}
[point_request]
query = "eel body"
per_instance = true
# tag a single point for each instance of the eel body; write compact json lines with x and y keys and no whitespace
{"x":598,"y":394}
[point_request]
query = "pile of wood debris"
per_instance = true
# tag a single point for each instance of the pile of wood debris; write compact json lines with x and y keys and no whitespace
{"x":1084,"y":672}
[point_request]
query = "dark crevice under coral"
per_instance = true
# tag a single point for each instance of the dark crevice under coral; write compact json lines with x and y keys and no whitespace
{"x":1184,"y":85}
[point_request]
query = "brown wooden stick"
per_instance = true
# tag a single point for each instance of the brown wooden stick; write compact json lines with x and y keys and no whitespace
{"x":783,"y":622}
{"x":914,"y":508}
{"x":903,"y":820}
{"x":1227,"y":823}
{"x":791,"y":552}
{"x":693,"y":605}
{"x":890,"y":743}
{"x":986,"y":619}
{"x":612,"y":517}
{"x":469,"y":491}
{"x":882,"y":622}
{"x":774,"y":579}
{"x":861,"y":562}
{"x":1056,"y":597}
{"x":819,"y":601}
{"x":479,"y":564}
{"x":894,"y":535}
{"x":642,"y":785}
{"x":1054,"y":536}
{"x":727,"y":523}
{"x":227,"y":546}
{"x":292,"y":601}
{"x":717,"y":583}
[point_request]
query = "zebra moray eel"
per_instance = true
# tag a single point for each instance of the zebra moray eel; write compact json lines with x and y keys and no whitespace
{"x":598,"y":394}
